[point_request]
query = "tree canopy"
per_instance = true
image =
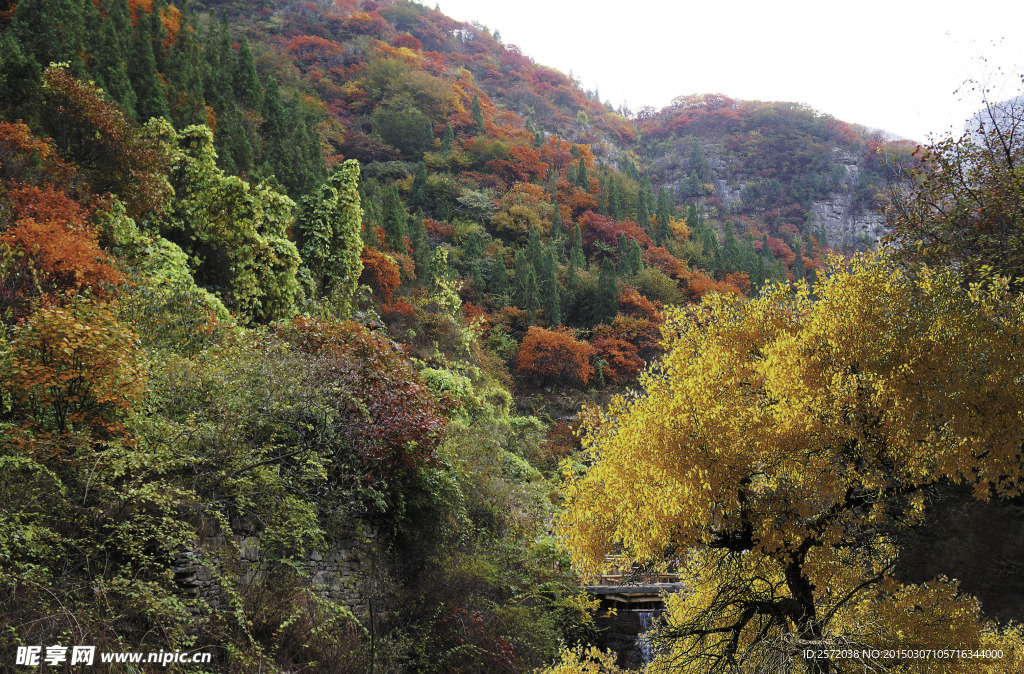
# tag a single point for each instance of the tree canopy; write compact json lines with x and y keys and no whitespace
{"x":778,"y":445}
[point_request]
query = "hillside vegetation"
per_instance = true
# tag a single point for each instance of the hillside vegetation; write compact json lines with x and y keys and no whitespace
{"x":339,"y":276}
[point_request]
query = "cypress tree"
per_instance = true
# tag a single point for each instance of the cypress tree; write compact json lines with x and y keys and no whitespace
{"x":576,"y":258}
{"x":111,"y":64}
{"x":602,"y":195}
{"x":643,"y":213}
{"x":798,"y":265}
{"x":534,"y":250}
{"x":151,"y":98}
{"x":448,"y":139}
{"x":525,"y":293}
{"x":730,"y":250}
{"x":394,"y":219}
{"x":662,"y":216}
{"x":499,"y":284}
{"x":422,"y":256}
{"x":550,"y":298}
{"x":477,"y":113}
{"x":629,"y":256}
{"x":246,"y":82}
{"x":582,"y":181}
{"x":418,"y":190}
{"x":158,"y":34}
{"x":50,"y":30}
{"x":570,"y":174}
{"x":615,"y":208}
{"x":607,"y":293}
{"x":186,"y":75}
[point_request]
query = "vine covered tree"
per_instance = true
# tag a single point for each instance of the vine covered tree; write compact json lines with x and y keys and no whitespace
{"x":331,"y":226}
{"x":778,"y":447}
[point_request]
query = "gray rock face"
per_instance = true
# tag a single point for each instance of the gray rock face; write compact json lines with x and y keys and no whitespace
{"x":846,"y":225}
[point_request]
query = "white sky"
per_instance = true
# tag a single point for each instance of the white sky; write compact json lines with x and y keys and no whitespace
{"x":893,"y":64}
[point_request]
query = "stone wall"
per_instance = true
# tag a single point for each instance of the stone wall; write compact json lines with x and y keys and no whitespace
{"x":343,"y":572}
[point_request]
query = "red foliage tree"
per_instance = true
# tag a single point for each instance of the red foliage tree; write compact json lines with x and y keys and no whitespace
{"x":645,"y":335}
{"x":605,"y":229}
{"x":51,"y":249}
{"x":381,"y":273}
{"x":632,"y":303}
{"x":112,"y":153}
{"x":389,"y":418}
{"x":555,"y":355}
{"x":621,"y":360}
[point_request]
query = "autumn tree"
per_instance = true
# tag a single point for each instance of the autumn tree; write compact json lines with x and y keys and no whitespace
{"x":963,"y":206}
{"x":555,"y":356}
{"x":778,"y":446}
{"x":73,"y":368}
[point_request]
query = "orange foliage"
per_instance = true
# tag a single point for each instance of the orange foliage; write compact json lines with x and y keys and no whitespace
{"x":700,"y":285}
{"x":632,"y":303}
{"x":171,"y":18}
{"x":656,"y":256}
{"x":74,"y":368}
{"x":739,"y":279}
{"x":605,"y":229}
{"x":51,"y":241}
{"x":23,"y":156}
{"x":555,"y":355}
{"x":622,"y":363}
{"x":645,"y":335}
{"x":439,"y":230}
{"x":380,"y":272}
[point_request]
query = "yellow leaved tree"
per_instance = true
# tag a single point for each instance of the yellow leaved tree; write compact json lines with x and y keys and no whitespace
{"x":778,"y":447}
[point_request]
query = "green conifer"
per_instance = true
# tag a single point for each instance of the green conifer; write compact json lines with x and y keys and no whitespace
{"x":394,"y":219}
{"x":477,"y":114}
{"x":607,"y":293}
{"x":246,"y":82}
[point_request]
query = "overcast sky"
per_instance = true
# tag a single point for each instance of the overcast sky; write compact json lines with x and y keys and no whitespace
{"x":893,"y":65}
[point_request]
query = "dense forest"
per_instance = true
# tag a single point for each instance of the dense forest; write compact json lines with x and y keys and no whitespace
{"x":343,"y":337}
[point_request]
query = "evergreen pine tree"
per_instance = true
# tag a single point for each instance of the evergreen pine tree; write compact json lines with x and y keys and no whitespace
{"x":395,"y":219}
{"x":418,"y":190}
{"x":246,"y":83}
{"x":448,"y":139}
{"x":186,"y":76}
{"x":499,"y":284}
{"x":158,"y":34}
{"x":550,"y":297}
{"x":602,"y":195}
{"x":422,"y":256}
{"x":525,"y":293}
{"x":607,"y":293}
{"x":582,"y":181}
{"x":534,"y":250}
{"x":730,"y":250}
{"x":111,"y":64}
{"x":662,"y":216}
{"x":477,"y":114}
{"x":50,"y":30}
{"x":643,"y":213}
{"x":615,"y":208}
{"x":798,"y":265}
{"x":151,"y":98}
{"x":576,"y":257}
